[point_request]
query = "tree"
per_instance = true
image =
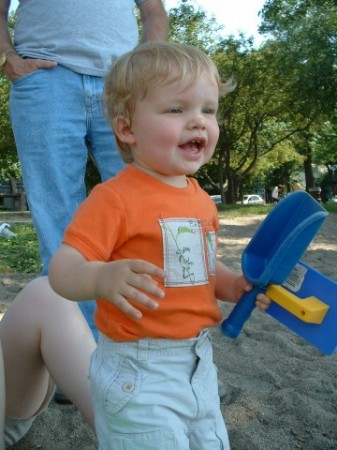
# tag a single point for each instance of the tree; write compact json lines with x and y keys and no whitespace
{"x":9,"y":165}
{"x":305,"y":36}
{"x":256,"y":120}
{"x":255,"y":124}
{"x":192,"y":26}
{"x":324,"y":143}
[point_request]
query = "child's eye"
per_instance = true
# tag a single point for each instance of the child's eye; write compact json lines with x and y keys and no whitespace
{"x":210,"y":111}
{"x":176,"y":110}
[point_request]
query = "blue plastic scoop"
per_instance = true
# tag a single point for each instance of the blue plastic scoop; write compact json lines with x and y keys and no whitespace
{"x":274,"y":250}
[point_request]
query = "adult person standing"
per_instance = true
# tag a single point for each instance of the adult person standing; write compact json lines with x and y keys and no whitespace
{"x":276,"y":193}
{"x":296,"y":185}
{"x":62,"y":50}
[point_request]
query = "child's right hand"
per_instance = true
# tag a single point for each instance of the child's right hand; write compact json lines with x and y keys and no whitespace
{"x":129,"y":279}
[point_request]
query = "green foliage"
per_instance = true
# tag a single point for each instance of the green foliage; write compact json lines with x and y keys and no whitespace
{"x":283,"y":109}
{"x":324,"y":143}
{"x":305,"y":41}
{"x":191,"y":25}
{"x":256,"y":122}
{"x":7,"y":146}
{"x":9,"y":164}
{"x":92,"y":176}
{"x":305,"y":52}
{"x":20,"y":253}
{"x":331,"y":207}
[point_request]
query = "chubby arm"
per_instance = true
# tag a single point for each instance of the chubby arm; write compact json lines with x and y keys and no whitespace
{"x":230,"y":287}
{"x":72,"y":276}
{"x":154,"y":20}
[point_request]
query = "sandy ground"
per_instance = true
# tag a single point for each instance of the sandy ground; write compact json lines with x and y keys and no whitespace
{"x":281,"y":392}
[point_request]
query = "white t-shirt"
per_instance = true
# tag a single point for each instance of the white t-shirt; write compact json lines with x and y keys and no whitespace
{"x":274,"y":194}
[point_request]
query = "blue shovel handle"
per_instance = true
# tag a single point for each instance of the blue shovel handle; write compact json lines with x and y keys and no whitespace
{"x":232,"y":326}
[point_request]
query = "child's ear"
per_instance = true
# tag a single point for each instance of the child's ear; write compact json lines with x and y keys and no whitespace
{"x":123,"y":130}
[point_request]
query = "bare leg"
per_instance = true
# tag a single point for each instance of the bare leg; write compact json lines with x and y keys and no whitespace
{"x":45,"y":339}
{"x":2,"y":401}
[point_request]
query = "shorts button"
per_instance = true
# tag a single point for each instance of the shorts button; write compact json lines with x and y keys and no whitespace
{"x":128,"y":387}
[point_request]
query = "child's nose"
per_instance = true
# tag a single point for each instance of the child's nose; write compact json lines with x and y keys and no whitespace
{"x":197,"y":121}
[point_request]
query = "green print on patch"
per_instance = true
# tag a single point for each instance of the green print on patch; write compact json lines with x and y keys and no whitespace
{"x":211,"y":251}
{"x":184,"y":252}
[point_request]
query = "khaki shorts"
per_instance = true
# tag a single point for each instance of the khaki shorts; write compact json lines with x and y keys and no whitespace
{"x":176,"y":378}
{"x":16,"y":428}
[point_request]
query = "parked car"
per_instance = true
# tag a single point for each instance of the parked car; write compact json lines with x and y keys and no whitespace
{"x":216,"y":198}
{"x":252,"y":199}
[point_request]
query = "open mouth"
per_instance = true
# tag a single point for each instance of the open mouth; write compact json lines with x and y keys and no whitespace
{"x":194,"y":145}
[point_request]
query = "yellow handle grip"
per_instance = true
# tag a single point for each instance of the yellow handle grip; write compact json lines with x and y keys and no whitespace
{"x":310,"y":309}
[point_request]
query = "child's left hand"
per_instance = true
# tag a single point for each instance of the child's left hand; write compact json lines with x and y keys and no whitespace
{"x":241,"y":285}
{"x":262,"y":302}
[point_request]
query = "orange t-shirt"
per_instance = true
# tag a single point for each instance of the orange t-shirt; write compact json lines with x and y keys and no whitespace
{"x":135,"y":216}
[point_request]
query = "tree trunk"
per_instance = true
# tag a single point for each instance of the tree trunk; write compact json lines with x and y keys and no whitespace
{"x":309,"y":176}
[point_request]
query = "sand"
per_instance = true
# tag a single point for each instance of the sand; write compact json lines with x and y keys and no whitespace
{"x":281,"y":391}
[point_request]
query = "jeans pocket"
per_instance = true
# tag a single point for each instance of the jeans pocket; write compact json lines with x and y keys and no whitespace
{"x":26,"y":76}
{"x":115,"y":383}
{"x":162,"y":439}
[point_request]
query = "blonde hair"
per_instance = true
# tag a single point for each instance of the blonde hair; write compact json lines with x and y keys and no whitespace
{"x":151,"y":63}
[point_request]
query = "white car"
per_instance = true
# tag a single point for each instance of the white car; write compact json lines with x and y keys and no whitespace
{"x":252,"y":199}
{"x":216,"y":198}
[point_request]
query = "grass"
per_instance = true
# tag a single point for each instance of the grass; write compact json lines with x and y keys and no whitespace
{"x":243,"y":210}
{"x":21,"y":253}
{"x":331,"y":207}
{"x":255,"y":210}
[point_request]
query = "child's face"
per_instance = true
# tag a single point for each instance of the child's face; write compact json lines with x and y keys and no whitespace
{"x":174,"y":129}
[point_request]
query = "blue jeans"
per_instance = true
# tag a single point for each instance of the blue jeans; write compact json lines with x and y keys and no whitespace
{"x":57,"y":118}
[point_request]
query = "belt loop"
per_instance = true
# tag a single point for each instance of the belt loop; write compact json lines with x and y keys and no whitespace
{"x":100,"y":344}
{"x":202,"y":338}
{"x":143,"y":346}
